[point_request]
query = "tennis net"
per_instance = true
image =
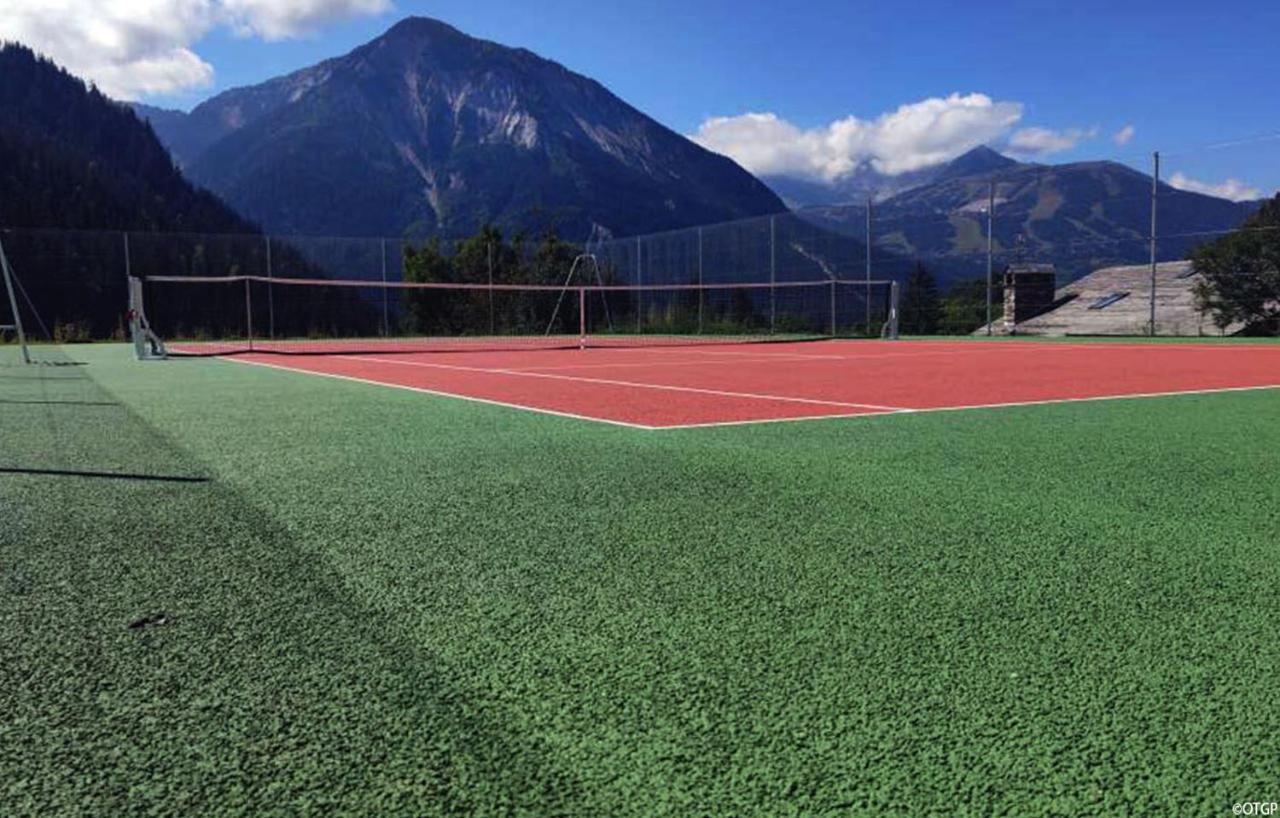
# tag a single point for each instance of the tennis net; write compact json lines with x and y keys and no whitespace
{"x":227,"y":315}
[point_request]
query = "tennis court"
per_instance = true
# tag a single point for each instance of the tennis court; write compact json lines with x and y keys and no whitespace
{"x":668,"y":387}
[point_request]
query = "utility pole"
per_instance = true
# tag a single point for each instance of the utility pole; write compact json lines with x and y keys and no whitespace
{"x":991,"y":217}
{"x":1155,"y":201}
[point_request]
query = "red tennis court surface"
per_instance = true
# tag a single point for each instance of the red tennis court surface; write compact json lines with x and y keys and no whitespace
{"x":678,"y":387}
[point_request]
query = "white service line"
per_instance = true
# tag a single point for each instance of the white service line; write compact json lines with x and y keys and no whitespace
{"x":631,"y":384}
{"x":439,"y":394}
{"x":659,"y":363}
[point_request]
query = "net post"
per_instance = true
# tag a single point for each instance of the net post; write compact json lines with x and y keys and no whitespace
{"x":833,"y":307}
{"x":13,"y":305}
{"x":891,"y":326}
{"x":582,"y":318}
{"x":147,"y":346}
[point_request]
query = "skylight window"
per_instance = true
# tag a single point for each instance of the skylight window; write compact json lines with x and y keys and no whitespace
{"x":1108,"y":300}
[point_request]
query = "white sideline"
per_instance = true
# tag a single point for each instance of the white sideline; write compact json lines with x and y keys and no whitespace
{"x":440,"y":394}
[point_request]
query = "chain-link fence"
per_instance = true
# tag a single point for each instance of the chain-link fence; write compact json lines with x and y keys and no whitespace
{"x":1121,"y":249}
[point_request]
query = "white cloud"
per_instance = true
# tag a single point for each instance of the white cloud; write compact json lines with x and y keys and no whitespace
{"x":279,"y":19}
{"x":139,"y":48}
{"x":1233,"y":189}
{"x":915,"y":136}
{"x":1031,"y":142}
{"x":1123,"y":135}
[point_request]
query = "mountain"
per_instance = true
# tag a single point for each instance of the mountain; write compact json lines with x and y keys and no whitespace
{"x":87,"y":191}
{"x":1079,"y":216}
{"x":72,"y":158}
{"x":865,"y":182}
{"x":427,"y":129}
{"x":979,"y":160}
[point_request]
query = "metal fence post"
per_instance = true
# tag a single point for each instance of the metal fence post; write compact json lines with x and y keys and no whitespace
{"x":773,"y":273}
{"x":991,"y":218}
{"x":271,"y":295}
{"x":18,"y":330}
{"x":867,"y":326}
{"x":386,"y":307}
{"x":492,"y":325}
{"x":639,"y":282}
{"x":248,"y":312}
{"x":701,"y":294}
{"x":1155,"y":200}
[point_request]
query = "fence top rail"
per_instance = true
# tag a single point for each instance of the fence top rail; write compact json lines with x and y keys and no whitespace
{"x":481,"y":287}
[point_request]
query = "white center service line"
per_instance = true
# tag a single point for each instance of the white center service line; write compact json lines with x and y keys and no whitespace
{"x":630,"y":384}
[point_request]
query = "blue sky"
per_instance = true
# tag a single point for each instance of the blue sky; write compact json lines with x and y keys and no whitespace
{"x":1182,"y":75}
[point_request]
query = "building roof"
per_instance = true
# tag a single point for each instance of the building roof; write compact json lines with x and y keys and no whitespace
{"x":1020,"y":268}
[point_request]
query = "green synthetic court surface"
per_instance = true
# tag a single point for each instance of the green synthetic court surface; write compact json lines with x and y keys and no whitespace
{"x":345,"y":599}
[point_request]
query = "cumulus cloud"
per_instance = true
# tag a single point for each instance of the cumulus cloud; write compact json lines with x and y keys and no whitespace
{"x":1123,"y":135}
{"x":139,"y":48}
{"x":279,"y":19}
{"x":1233,"y":189}
{"x":916,"y":135}
{"x":1032,"y":142}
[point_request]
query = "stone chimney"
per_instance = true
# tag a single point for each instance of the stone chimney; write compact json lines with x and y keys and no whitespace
{"x":1029,"y":290}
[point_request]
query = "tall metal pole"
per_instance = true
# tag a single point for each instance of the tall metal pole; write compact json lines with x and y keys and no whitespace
{"x":1155,"y":200}
{"x":13,"y":305}
{"x":991,"y":217}
{"x":582,"y":318}
{"x":700,"y":291}
{"x":271,"y":295}
{"x":867,"y":325}
{"x":386,"y":307}
{"x":773,"y":273}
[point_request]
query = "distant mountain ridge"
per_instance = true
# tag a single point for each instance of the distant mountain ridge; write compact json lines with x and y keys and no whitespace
{"x":427,"y":129}
{"x":866,"y":183}
{"x":1080,"y":216}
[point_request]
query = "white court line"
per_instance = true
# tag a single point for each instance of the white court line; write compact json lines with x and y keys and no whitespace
{"x":977,"y":406}
{"x":785,"y":359}
{"x":440,"y":394}
{"x":660,"y":363}
{"x":632,"y":384}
